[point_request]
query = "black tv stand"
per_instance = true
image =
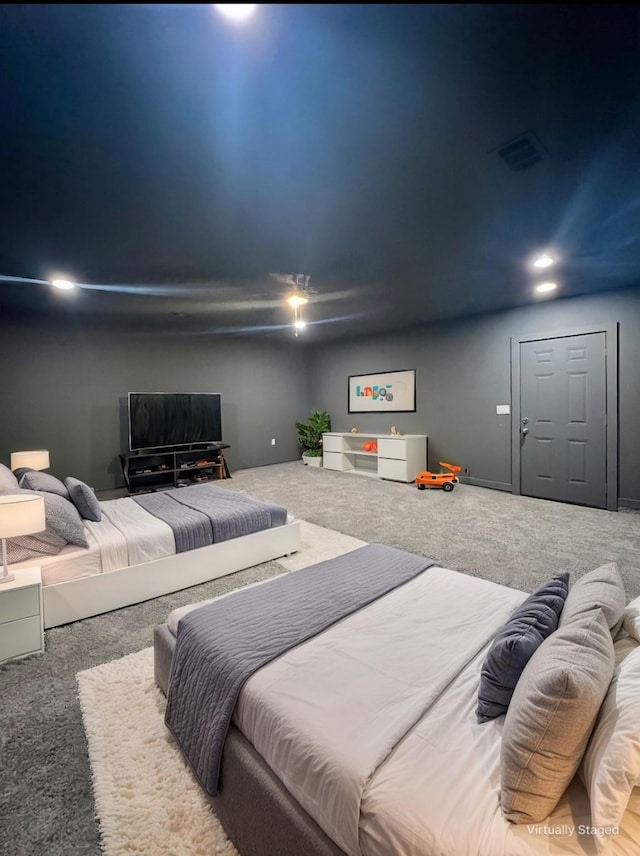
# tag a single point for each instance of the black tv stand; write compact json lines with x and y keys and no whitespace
{"x":161,"y":469}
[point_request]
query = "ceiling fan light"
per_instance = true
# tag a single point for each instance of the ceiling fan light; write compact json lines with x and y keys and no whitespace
{"x":296,"y":300}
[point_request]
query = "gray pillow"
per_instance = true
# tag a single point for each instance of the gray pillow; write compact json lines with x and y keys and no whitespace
{"x":551,"y":715}
{"x":61,"y":517}
{"x":34,"y":546}
{"x":515,"y":644}
{"x":7,"y":478}
{"x":84,"y":499}
{"x":20,"y":471}
{"x":602,"y":587}
{"x":36,"y":480}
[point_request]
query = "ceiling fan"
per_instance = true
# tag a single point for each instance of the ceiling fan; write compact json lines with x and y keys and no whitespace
{"x":295,"y":282}
{"x":299,"y":289}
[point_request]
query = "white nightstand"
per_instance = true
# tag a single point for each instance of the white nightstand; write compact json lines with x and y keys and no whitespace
{"x":21,"y":621}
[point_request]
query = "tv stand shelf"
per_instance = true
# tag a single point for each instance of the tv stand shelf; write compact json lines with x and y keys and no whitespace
{"x":151,"y":471}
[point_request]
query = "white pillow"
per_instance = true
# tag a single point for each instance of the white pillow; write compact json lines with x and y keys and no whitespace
{"x":634,"y":801}
{"x":631,"y":619}
{"x":7,"y":478}
{"x":611,"y":765}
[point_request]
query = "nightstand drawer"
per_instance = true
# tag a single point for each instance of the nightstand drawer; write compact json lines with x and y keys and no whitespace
{"x":21,"y":637}
{"x":19,"y":603}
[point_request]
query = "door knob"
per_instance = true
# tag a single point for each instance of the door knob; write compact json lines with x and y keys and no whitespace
{"x":525,"y":421}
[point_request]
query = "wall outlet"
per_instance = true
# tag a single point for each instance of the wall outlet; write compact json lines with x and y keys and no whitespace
{"x":273,"y":441}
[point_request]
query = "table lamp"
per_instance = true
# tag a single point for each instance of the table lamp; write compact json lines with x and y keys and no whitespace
{"x":19,"y":515}
{"x":35,"y":460}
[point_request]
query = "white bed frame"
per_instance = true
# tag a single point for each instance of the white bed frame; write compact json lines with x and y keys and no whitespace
{"x":83,"y":598}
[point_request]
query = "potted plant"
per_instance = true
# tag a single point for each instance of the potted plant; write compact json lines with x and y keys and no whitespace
{"x":310,"y":436}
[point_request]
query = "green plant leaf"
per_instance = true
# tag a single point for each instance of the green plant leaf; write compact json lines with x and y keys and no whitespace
{"x":310,"y":433}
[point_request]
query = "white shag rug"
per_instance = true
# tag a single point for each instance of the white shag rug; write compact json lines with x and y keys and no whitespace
{"x":147,"y":801}
{"x":318,"y":544}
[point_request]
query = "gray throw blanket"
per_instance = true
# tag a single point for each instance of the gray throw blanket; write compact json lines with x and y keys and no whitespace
{"x":231,"y":514}
{"x":203,"y":514}
{"x":220,"y":645}
{"x":191,"y":529}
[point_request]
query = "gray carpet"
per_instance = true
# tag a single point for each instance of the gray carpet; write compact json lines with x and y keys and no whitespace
{"x":514,"y":540}
{"x":46,"y":806}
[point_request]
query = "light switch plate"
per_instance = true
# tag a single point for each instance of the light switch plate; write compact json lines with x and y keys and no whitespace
{"x":503,"y":409}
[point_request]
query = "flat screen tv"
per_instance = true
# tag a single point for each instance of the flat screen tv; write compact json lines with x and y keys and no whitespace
{"x":158,"y":420}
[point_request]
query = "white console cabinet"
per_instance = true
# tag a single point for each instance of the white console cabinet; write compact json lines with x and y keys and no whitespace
{"x":399,"y":457}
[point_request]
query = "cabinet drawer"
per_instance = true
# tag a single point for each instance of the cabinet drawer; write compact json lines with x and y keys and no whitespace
{"x":19,"y":603}
{"x":332,"y":460}
{"x":392,"y":449}
{"x":388,"y":468}
{"x":20,"y":637}
{"x":332,"y":443}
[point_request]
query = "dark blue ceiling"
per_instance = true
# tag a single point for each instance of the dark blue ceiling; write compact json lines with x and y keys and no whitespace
{"x":179,"y":160}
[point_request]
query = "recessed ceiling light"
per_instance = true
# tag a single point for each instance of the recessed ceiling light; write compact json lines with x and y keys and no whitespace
{"x":544,"y":260}
{"x":64,"y":284}
{"x":236,"y":11}
{"x":545,"y":287}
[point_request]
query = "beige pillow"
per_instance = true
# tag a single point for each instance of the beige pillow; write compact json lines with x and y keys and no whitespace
{"x":551,"y":716}
{"x":631,"y":619}
{"x":602,"y":587}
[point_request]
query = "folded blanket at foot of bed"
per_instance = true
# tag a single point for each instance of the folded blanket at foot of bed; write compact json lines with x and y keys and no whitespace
{"x":203,"y":514}
{"x":220,"y":645}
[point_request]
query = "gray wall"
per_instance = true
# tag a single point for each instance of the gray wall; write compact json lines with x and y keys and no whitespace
{"x":65,"y":390}
{"x":463,"y":371}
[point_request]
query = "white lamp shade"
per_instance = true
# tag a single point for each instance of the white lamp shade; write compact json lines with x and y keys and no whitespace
{"x":21,"y":515}
{"x":37,"y":460}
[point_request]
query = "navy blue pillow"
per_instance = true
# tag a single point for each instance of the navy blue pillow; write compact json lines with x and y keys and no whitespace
{"x":514,"y":645}
{"x":20,"y":471}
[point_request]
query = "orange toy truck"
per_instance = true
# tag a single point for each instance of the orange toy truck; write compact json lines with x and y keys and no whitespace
{"x":447,"y":481}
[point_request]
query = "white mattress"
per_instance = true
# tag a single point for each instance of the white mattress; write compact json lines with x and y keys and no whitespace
{"x":371,"y":728}
{"x":126,"y":535}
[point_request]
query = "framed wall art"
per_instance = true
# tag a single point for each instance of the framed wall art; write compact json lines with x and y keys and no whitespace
{"x":383,"y":392}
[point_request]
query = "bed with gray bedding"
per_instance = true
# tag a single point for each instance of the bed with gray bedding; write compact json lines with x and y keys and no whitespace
{"x":152,"y":544}
{"x":361,"y":739}
{"x":222,"y":644}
